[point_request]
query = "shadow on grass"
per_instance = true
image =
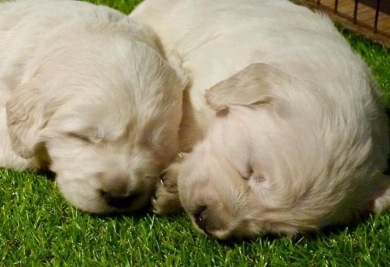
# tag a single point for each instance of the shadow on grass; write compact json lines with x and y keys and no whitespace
{"x":138,"y":215}
{"x":335,"y":230}
{"x":47,"y":173}
{"x":135,"y":216}
{"x":327,"y":232}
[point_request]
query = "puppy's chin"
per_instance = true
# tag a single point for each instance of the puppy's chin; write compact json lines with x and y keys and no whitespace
{"x":218,"y":234}
{"x":86,"y":197}
{"x":103,"y":181}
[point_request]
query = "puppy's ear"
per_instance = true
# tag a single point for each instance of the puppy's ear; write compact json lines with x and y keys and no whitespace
{"x":250,"y":86}
{"x":25,"y":119}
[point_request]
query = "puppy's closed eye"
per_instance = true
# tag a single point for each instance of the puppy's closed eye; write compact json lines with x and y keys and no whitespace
{"x":258,"y":178}
{"x":248,"y":172}
{"x":252,"y":175}
{"x":80,"y":137}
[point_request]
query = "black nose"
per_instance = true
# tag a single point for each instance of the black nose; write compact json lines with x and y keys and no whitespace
{"x":201,"y":218}
{"x":120,"y":202}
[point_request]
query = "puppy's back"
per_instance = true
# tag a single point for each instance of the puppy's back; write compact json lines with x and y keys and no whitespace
{"x":25,"y":25}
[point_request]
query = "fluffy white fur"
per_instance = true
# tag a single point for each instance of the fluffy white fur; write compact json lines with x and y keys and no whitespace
{"x":287,"y":125}
{"x":86,"y":92}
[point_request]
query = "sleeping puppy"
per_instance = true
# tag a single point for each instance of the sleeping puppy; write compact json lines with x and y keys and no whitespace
{"x":287,"y":125}
{"x":86,"y":92}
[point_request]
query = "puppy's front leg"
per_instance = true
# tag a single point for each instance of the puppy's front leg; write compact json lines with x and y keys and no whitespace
{"x":166,"y":200}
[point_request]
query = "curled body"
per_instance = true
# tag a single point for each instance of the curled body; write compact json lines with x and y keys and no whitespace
{"x":283,"y":122}
{"x":87,"y":93}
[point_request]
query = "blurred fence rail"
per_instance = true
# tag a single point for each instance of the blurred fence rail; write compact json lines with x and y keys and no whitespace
{"x":366,"y":17}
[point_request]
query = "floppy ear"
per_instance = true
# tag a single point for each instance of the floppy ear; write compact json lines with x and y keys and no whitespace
{"x":24,"y":119}
{"x":252,"y":85}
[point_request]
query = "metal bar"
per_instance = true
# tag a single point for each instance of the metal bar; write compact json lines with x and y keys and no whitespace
{"x":378,"y":6}
{"x":355,"y":11}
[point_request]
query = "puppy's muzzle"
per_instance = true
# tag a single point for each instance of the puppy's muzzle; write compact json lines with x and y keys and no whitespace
{"x":120,"y":202}
{"x":201,"y":219}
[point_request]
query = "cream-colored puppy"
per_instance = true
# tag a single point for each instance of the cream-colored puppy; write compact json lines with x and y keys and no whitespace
{"x":86,"y":92}
{"x":287,"y":125}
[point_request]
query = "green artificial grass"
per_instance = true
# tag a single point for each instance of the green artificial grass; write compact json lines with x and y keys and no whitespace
{"x":38,"y":227}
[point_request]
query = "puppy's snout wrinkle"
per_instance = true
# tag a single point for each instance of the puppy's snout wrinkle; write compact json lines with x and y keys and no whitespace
{"x":115,"y":190}
{"x":115,"y":184}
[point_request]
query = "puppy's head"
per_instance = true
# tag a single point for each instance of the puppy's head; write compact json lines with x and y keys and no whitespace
{"x":269,"y":165}
{"x":106,"y":111}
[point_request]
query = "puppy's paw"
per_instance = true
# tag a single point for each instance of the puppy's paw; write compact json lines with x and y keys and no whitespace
{"x":382,"y":203}
{"x":166,"y":200}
